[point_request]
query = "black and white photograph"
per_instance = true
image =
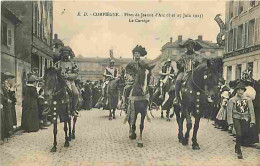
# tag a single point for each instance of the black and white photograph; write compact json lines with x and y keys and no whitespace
{"x":130,"y":83}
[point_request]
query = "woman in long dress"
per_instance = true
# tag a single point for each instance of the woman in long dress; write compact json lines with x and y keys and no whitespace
{"x":30,"y":115}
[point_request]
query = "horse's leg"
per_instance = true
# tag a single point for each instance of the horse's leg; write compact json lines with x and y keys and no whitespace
{"x":161,"y":111}
{"x":180,"y":124}
{"x":168,"y":115}
{"x":140,"y":139}
{"x":110,"y":115}
{"x":69,"y":123}
{"x":55,"y":131}
{"x":133,"y":128}
{"x":188,"y":126}
{"x":66,"y":144}
{"x":195,"y":144}
{"x":74,"y":127}
{"x":114,"y":113}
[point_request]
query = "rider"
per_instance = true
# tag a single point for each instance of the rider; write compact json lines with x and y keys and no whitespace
{"x":138,"y":52}
{"x":188,"y":62}
{"x":110,"y":73}
{"x":167,"y":73}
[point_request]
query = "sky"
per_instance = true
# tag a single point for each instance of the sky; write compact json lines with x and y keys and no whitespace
{"x":94,"y":36}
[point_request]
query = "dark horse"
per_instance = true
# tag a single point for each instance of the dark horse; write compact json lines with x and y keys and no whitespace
{"x":113,"y":95}
{"x":201,"y":83}
{"x":164,"y":103}
{"x":138,"y":99}
{"x":57,"y":95}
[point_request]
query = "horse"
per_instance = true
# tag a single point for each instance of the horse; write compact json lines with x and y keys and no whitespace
{"x":114,"y":91}
{"x":57,"y":96}
{"x":164,"y":103}
{"x":138,"y":98}
{"x":75,"y":105}
{"x":200,"y":84}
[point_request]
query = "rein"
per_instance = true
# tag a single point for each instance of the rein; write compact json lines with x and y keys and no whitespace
{"x":192,"y":74}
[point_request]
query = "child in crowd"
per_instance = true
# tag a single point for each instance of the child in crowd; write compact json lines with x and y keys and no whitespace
{"x":42,"y":108}
{"x":222,"y":114}
{"x":240,"y":114}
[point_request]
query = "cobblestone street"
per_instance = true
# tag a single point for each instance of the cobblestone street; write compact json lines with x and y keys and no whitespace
{"x":103,"y":142}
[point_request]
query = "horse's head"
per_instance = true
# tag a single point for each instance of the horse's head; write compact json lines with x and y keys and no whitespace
{"x":53,"y":81}
{"x":212,"y":76}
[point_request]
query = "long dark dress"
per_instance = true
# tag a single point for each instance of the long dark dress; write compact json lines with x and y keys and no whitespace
{"x":12,"y":97}
{"x":30,"y":115}
{"x":7,"y":121}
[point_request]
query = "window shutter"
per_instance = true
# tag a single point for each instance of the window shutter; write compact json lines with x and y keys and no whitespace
{"x":9,"y":37}
{"x":255,"y":32}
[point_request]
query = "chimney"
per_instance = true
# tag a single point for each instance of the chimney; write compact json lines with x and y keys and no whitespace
{"x":170,"y":39}
{"x":56,"y":36}
{"x":200,"y":37}
{"x":180,"y":38}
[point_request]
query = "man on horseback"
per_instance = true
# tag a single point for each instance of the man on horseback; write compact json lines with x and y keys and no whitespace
{"x":189,"y":61}
{"x":167,"y":75}
{"x":138,"y":52}
{"x":110,"y":74}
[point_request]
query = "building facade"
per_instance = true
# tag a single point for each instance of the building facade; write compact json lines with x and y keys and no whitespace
{"x":28,"y":45}
{"x":242,"y":39}
{"x":34,"y":35}
{"x":173,"y":51}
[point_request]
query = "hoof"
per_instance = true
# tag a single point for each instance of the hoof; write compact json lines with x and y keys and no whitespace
{"x":70,"y":137}
{"x":139,"y":144}
{"x":73,"y":136}
{"x":66,"y":144}
{"x":53,"y":149}
{"x":196,"y":147}
{"x":132,"y":136}
{"x":184,"y":142}
{"x":109,"y":118}
{"x":168,"y":120}
{"x":171,"y":115}
{"x":114,"y":117}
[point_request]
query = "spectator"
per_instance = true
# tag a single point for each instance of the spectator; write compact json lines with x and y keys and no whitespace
{"x":30,"y":115}
{"x":41,"y":108}
{"x":240,"y":114}
{"x":6,"y":118}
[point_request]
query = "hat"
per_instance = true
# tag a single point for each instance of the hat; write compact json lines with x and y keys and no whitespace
{"x":241,"y":85}
{"x":6,"y":75}
{"x":112,"y":61}
{"x":32,"y":78}
{"x":139,"y":49}
{"x":195,"y":44}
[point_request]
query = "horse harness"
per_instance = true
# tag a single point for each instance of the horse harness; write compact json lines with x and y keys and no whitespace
{"x":198,"y":93}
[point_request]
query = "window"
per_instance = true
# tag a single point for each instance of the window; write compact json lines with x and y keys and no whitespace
{"x":240,"y":33}
{"x":246,"y":35}
{"x":230,"y":40}
{"x":235,"y":39}
{"x":238,"y":71}
{"x":231,"y":5}
{"x":9,"y":37}
{"x":4,"y":33}
{"x":240,"y":7}
{"x":250,"y":65}
{"x":252,"y":3}
{"x":257,"y":31}
{"x":251,"y":31}
{"x":36,"y":18}
{"x":229,"y":73}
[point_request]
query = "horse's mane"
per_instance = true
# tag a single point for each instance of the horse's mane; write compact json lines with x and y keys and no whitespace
{"x":52,"y":72}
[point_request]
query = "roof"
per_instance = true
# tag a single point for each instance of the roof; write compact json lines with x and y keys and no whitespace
{"x":10,"y":15}
{"x":104,"y":60}
{"x":204,"y":44}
